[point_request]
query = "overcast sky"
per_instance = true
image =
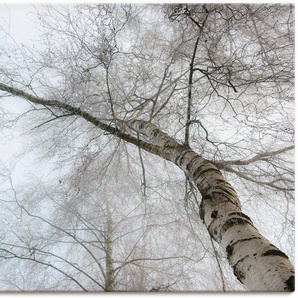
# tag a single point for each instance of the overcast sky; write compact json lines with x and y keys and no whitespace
{"x":15,"y":21}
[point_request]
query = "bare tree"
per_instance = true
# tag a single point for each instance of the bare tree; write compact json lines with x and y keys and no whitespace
{"x":172,"y":81}
{"x":86,"y":240}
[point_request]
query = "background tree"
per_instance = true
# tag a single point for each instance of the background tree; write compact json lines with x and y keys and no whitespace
{"x":217,"y":78}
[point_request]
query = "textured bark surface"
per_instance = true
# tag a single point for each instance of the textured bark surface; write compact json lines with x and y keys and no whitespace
{"x":257,"y":263}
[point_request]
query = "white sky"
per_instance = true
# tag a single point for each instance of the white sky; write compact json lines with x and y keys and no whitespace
{"x":16,"y":19}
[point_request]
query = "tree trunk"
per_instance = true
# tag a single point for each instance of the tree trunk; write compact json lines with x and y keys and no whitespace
{"x":257,"y":263}
{"x":109,"y":274}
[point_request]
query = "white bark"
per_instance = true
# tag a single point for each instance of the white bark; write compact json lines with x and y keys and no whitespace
{"x":257,"y":263}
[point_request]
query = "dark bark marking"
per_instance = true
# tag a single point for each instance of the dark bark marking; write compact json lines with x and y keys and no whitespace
{"x":239,"y":274}
{"x":273,"y":252}
{"x":180,"y":158}
{"x":206,"y":197}
{"x":188,"y":166}
{"x":196,"y":158}
{"x":214,"y":214}
{"x":202,"y":211}
{"x":221,"y":189}
{"x":230,"y":247}
{"x":212,"y":193}
{"x":214,"y":232}
{"x":229,"y":251}
{"x":243,"y":240}
{"x":227,"y":191}
{"x":240,"y":214}
{"x":234,"y":221}
{"x":155,"y":132}
{"x":199,"y":172}
{"x":290,"y":284}
{"x":220,"y":181}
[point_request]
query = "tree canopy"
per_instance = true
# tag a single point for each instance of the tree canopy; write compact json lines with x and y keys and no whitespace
{"x":94,"y":209}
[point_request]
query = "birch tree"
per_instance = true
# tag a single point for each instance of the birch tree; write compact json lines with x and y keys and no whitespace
{"x":207,"y":88}
{"x":77,"y":238}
